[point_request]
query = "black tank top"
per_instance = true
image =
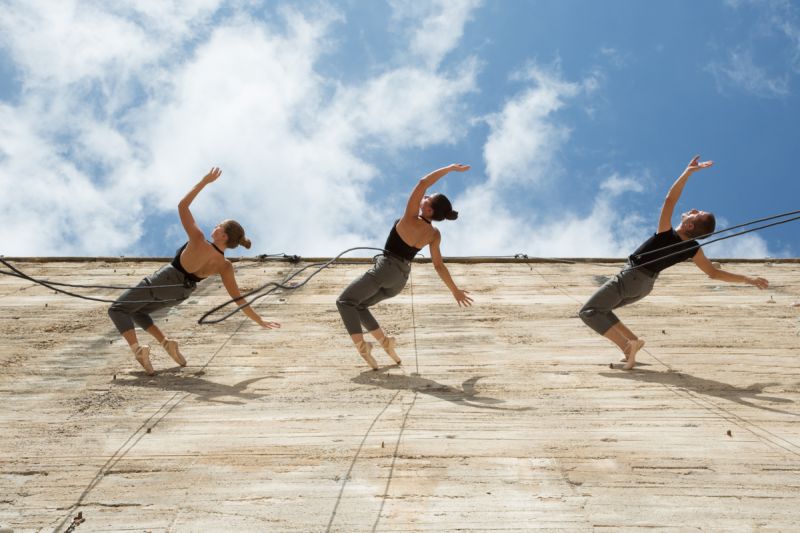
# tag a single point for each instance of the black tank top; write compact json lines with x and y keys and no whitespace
{"x":176,"y":262}
{"x":683,"y":251}
{"x":397,"y":246}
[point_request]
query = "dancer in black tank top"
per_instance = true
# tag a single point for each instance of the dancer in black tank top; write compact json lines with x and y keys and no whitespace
{"x":636,"y":280}
{"x":389,"y":275}
{"x":193,"y":262}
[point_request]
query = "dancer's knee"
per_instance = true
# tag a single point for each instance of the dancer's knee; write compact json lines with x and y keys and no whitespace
{"x":349,"y":316}
{"x":587,"y":314}
{"x":595,"y":319}
{"x":122,"y":321}
{"x":343,"y":304}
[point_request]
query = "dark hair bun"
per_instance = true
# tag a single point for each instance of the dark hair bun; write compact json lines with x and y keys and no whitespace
{"x":245,"y":242}
{"x":452,"y":215}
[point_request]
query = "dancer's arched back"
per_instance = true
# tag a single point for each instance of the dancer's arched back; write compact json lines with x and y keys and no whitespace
{"x":387,"y":278}
{"x":664,"y":249}
{"x":193,"y":262}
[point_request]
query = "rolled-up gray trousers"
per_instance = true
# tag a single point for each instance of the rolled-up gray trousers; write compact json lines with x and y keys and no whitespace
{"x":626,"y":287}
{"x":385,"y":279}
{"x":128,"y":310}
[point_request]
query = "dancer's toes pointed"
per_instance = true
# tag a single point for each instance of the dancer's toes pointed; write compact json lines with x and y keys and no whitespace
{"x":388,"y":344}
{"x":142,"y":355}
{"x":171,"y":347}
{"x":365,"y":351}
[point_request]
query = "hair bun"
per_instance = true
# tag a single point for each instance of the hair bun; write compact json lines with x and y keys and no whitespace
{"x":244,"y":241}
{"x":452,"y":215}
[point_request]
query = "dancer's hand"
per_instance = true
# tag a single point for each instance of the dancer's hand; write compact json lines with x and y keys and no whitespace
{"x":267,"y":324}
{"x":695,"y":165}
{"x":212,"y":175}
{"x":462,"y":298}
{"x":457,"y":167}
{"x":761,"y":283}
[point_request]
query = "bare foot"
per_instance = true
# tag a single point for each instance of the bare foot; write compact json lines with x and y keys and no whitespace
{"x":143,"y":356}
{"x":626,"y":350}
{"x":634,"y":345}
{"x":388,"y":343}
{"x":365,"y":351}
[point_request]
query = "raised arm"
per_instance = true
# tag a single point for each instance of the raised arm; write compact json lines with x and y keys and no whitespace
{"x":189,"y":225}
{"x":229,"y":281}
{"x":436,"y":258}
{"x":412,"y":207}
{"x":674,"y":194}
{"x":713,"y":272}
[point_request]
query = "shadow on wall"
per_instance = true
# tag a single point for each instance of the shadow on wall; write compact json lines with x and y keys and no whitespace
{"x":466,"y":395}
{"x":706,"y":387}
{"x":202,"y":388}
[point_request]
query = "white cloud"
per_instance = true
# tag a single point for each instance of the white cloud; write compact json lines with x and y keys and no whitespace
{"x":136,"y":101}
{"x":123,"y":129}
{"x":743,"y":247}
{"x":741,"y":71}
{"x":771,"y":21}
{"x":520,"y":152}
{"x":46,"y":202}
{"x":616,"y":185}
{"x":436,"y":26}
{"x":410,"y":107}
{"x":751,"y":245}
{"x":524,"y":139}
{"x":488,"y":227}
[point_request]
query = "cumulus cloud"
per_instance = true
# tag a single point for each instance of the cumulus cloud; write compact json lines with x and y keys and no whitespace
{"x":746,"y":246}
{"x":524,"y":140}
{"x":520,"y":151}
{"x":138,"y":100}
{"x":123,"y":106}
{"x":493,"y":229}
{"x":436,"y":26}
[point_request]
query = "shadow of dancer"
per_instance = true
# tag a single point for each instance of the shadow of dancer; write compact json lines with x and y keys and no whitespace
{"x":466,"y":395}
{"x":707,"y":387}
{"x":205,"y":390}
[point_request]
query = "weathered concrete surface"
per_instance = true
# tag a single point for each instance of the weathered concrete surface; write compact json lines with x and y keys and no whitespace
{"x":514,"y":421}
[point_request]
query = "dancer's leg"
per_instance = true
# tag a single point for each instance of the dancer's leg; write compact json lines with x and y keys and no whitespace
{"x":383,"y":281}
{"x":169,"y":345}
{"x":387,"y":343}
{"x":122,"y":313}
{"x":348,"y":304}
{"x":625,"y":288}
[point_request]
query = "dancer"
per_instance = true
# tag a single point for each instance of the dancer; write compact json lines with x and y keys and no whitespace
{"x":664,"y":249}
{"x":389,"y":275}
{"x":194,"y":261}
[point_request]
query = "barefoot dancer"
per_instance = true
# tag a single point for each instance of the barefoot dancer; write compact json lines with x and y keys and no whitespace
{"x":193,"y":262}
{"x":390,"y":273}
{"x":633,"y":284}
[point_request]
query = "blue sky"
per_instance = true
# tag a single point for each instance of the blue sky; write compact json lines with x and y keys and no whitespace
{"x":575,"y":115}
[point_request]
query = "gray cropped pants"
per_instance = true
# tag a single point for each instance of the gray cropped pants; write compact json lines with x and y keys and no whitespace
{"x":626,"y":287}
{"x":385,"y":279}
{"x":126,"y":310}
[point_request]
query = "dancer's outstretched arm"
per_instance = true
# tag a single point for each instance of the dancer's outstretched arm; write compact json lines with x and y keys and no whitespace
{"x":436,"y":258}
{"x":412,"y":207}
{"x":229,"y":281}
{"x":713,"y":272}
{"x":674,"y":194}
{"x":189,"y":225}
